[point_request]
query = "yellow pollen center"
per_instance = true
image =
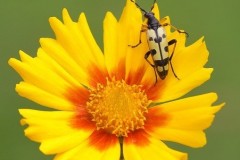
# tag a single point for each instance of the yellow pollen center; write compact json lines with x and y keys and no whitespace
{"x":118,"y":107}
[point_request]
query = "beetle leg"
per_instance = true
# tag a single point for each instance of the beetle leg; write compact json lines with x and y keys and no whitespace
{"x":146,"y":58}
{"x":174,"y":43}
{"x":144,"y":29}
{"x":175,"y":28}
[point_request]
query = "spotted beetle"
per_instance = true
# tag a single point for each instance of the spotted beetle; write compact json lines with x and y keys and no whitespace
{"x":158,"y":44}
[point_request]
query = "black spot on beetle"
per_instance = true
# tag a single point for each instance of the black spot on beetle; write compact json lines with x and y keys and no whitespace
{"x":158,"y":40}
{"x":166,"y":48}
{"x":153,"y":51}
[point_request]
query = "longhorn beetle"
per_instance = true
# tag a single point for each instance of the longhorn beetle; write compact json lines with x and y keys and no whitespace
{"x":158,"y":44}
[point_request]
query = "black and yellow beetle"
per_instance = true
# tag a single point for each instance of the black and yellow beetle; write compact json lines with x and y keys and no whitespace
{"x":158,"y":44}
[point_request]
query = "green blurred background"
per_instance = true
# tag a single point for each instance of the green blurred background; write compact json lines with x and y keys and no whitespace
{"x":23,"y":22}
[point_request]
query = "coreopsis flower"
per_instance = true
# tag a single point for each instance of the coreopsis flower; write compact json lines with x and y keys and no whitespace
{"x":107,"y":104}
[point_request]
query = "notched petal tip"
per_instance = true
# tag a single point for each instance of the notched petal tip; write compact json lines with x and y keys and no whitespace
{"x":11,"y":61}
{"x":64,"y":11}
{"x":66,"y":16}
{"x":23,"y":112}
{"x":23,"y":122}
{"x":54,"y":21}
{"x":82,"y":17}
{"x":165,"y":19}
{"x":24,"y":57}
{"x":202,"y":39}
{"x":110,"y":18}
{"x":15,"y":64}
{"x":21,"y":52}
{"x":219,"y":107}
{"x":212,"y":95}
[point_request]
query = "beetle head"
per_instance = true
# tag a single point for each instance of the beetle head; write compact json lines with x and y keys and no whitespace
{"x":149,"y":15}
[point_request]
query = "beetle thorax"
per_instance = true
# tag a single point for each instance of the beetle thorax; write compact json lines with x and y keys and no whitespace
{"x":151,"y":20}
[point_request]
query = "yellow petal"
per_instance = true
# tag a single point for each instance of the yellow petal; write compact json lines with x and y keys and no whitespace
{"x":186,"y":119}
{"x":73,"y":44}
{"x":51,"y":63}
{"x":188,"y":59}
{"x":156,"y":11}
{"x":59,"y":54}
{"x":65,"y":39}
{"x":63,"y":143}
{"x":42,"y":97}
{"x":49,"y":82}
{"x":82,"y":151}
{"x":153,"y":149}
{"x":53,"y":130}
{"x":131,"y":152}
{"x":191,"y":138}
{"x":118,"y":39}
{"x":96,"y":52}
{"x":104,"y":147}
{"x":110,"y":42}
{"x":136,"y":66}
{"x":34,"y":72}
{"x":43,"y":125}
{"x":170,"y":90}
{"x":112,"y":152}
{"x":88,"y":49}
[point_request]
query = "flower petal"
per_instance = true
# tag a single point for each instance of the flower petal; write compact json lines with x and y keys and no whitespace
{"x":194,"y":57}
{"x":50,"y":91}
{"x":99,"y":146}
{"x":43,"y":97}
{"x":33,"y":71}
{"x":169,"y":91}
{"x":71,"y":39}
{"x":53,"y":129}
{"x":64,"y":59}
{"x":156,"y":11}
{"x":110,"y":42}
{"x":136,"y":66}
{"x":82,"y":151}
{"x":75,"y":38}
{"x":52,"y":64}
{"x":186,"y":119}
{"x":118,"y":38}
{"x":140,"y":146}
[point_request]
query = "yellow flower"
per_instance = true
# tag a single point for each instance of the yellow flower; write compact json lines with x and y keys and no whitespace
{"x":107,"y":104}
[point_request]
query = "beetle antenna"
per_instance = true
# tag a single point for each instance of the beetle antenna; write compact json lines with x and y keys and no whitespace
{"x":139,"y":6}
{"x":153,"y":4}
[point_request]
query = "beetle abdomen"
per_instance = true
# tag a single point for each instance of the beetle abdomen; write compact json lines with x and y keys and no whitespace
{"x":158,"y":44}
{"x":162,"y":67}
